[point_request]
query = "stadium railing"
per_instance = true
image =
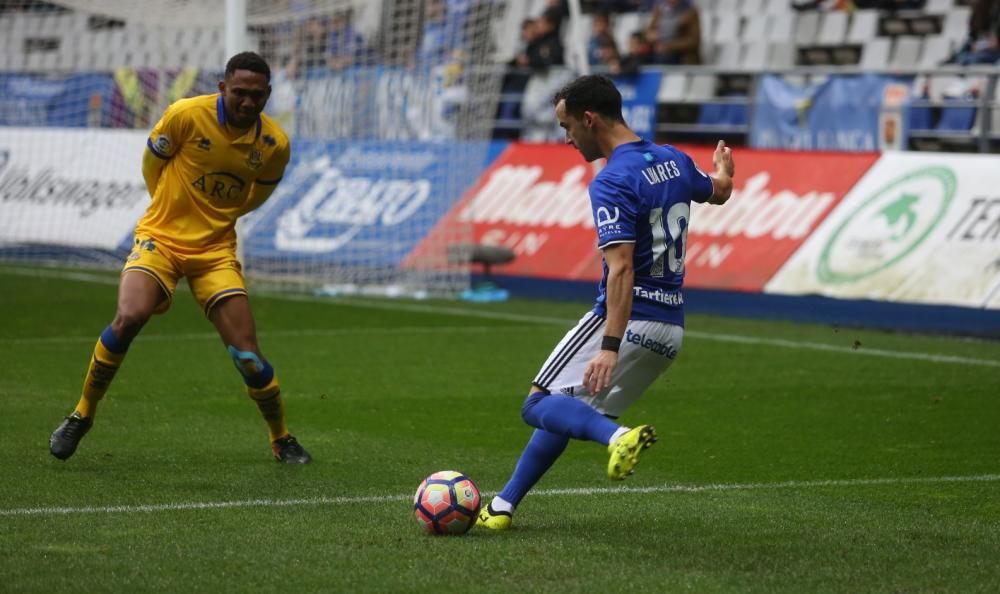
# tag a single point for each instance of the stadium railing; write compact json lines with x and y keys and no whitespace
{"x":966,"y":123}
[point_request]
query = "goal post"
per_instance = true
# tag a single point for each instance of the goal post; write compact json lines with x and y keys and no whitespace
{"x":389,"y":104}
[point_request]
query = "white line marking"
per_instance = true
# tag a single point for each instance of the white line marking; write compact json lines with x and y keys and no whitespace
{"x":86,"y":277}
{"x":367,"y":331}
{"x":515,"y":317}
{"x":818,"y":346}
{"x":346,"y":500}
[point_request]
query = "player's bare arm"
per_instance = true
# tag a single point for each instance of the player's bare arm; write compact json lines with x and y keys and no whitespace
{"x":621,"y":278}
{"x":722,"y":177}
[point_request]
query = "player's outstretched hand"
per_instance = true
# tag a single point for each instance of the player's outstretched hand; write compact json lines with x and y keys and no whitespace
{"x":723,"y":159}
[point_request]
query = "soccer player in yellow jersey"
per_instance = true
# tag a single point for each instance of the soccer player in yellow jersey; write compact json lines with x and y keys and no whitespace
{"x":209,"y":160}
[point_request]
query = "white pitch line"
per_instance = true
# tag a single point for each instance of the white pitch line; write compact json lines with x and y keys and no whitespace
{"x":367,"y":331}
{"x":348,"y":500}
{"x":551,"y":320}
{"x":819,"y":346}
{"x":86,"y":277}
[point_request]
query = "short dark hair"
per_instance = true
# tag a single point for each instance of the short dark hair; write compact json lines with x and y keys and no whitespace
{"x":248,"y":61}
{"x":591,"y":92}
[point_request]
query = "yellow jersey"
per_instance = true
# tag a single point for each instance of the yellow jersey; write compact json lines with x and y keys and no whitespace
{"x":210,"y":173}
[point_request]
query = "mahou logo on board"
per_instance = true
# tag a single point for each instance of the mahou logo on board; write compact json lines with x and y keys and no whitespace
{"x":534,"y":199}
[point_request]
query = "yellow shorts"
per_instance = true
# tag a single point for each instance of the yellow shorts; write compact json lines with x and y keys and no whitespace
{"x":213,"y":274}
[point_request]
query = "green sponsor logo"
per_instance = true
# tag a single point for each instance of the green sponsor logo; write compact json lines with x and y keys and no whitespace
{"x":887,"y":226}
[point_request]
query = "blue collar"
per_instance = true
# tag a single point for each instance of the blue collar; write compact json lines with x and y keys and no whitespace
{"x":220,"y":113}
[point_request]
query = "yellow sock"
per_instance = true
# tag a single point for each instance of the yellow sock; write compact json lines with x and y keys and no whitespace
{"x":103,"y":365}
{"x":271,"y":407}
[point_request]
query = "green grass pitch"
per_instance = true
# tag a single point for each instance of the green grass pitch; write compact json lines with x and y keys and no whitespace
{"x":792,"y":458}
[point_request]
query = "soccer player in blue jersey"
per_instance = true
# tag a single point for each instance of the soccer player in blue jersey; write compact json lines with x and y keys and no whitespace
{"x":641,"y":203}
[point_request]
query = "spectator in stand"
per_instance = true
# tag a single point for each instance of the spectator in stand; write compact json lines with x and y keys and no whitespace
{"x":674,"y":31}
{"x":618,"y":6}
{"x":558,"y":10}
{"x":983,"y":44}
{"x":345,"y":46}
{"x":639,"y":53}
{"x":611,"y":59}
{"x":546,"y":49}
{"x":310,"y":48}
{"x":527,"y":36}
{"x":600,"y":27}
{"x":439,"y":38}
{"x":639,"y":50}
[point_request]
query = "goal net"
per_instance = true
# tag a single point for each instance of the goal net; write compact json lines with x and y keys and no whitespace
{"x":389,"y":105}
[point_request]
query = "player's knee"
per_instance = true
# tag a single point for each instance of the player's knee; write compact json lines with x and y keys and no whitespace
{"x":129,"y":321}
{"x":256,"y":371}
{"x":529,"y":405}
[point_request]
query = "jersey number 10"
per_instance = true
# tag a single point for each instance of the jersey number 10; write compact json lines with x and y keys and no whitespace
{"x":670,"y":241}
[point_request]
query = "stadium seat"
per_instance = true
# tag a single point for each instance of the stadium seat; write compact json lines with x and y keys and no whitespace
{"x":701,"y":87}
{"x":756,"y":27}
{"x":875,"y":53}
{"x":673,"y":88}
{"x":833,"y":28}
{"x":864,"y":26}
{"x":755,"y":55}
{"x":905,"y":52}
{"x":807,"y":28}
{"x":938,"y":6}
{"x":782,"y":27}
{"x":730,"y":55}
{"x":956,"y":118}
{"x":956,"y":24}
{"x":919,"y":118}
{"x":751,"y":7}
{"x":727,"y":28}
{"x":728,"y":114}
{"x":781,"y":55}
{"x":937,"y":50}
{"x":775,"y":7}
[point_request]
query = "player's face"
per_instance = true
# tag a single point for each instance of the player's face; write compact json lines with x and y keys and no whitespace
{"x":244,"y":95}
{"x":579,"y":131}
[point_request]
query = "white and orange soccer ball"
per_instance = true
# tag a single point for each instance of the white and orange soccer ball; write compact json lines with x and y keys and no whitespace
{"x":447,"y":502}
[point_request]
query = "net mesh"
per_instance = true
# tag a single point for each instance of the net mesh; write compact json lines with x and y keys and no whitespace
{"x":389,"y":105}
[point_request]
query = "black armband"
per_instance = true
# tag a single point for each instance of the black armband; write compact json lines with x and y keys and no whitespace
{"x":611,"y":343}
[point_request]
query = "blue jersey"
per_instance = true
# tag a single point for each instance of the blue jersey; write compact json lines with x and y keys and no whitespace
{"x":643,"y":196}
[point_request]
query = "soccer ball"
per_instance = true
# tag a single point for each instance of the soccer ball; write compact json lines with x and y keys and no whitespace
{"x":447,"y":502}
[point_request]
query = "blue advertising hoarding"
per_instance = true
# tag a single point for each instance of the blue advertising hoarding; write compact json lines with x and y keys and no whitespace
{"x":57,"y":101}
{"x":360,"y":202}
{"x":639,"y":101}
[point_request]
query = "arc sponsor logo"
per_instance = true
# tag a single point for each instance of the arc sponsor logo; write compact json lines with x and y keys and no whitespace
{"x":221,"y":185}
{"x":887,"y":226}
{"x":336,"y":207}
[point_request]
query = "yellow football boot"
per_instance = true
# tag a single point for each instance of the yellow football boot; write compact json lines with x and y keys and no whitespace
{"x":494,"y":520}
{"x":624,"y":453}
